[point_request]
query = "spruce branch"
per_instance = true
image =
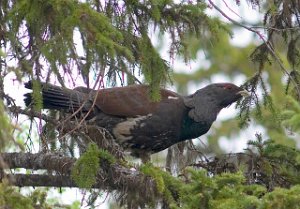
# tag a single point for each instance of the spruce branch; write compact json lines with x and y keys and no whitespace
{"x":111,"y":177}
{"x":266,"y":42}
{"x":31,"y":113}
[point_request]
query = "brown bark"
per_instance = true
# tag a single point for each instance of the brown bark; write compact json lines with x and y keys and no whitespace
{"x":126,"y":182}
{"x":47,"y":161}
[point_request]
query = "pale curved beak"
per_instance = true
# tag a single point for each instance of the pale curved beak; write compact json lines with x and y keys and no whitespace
{"x":244,"y":93}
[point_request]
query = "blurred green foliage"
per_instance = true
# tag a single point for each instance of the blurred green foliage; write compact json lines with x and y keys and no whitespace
{"x":115,"y":37}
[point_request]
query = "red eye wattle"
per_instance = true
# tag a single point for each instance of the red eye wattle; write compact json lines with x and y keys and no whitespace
{"x":227,"y":86}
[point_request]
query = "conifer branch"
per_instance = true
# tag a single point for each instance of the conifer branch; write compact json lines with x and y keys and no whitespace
{"x":31,"y":113}
{"x":111,"y":177}
{"x":266,"y":42}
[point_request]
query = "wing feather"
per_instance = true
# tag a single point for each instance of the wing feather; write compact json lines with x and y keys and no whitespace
{"x":130,"y":101}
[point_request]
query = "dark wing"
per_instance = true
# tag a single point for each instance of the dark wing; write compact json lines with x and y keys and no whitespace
{"x":130,"y":101}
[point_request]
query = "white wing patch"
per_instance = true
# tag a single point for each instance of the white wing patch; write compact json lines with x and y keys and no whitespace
{"x":122,"y":131}
{"x":170,"y":97}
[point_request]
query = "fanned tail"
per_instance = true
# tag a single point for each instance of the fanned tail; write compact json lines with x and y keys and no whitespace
{"x":55,"y":97}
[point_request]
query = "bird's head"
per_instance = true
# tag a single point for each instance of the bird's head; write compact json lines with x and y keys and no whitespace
{"x":206,"y":103}
{"x":223,"y":94}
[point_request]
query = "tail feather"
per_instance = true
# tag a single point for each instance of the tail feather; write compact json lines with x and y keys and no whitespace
{"x":55,"y":97}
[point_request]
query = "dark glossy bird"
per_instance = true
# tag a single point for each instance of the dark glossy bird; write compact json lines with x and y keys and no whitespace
{"x":138,"y":123}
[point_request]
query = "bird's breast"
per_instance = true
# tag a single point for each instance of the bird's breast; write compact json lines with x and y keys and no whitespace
{"x":153,"y":132}
{"x":191,"y":129}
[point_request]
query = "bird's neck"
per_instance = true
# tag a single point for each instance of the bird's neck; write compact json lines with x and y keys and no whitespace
{"x":202,"y":108}
{"x":208,"y":114}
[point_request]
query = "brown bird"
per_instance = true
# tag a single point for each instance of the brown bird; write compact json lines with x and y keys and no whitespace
{"x":136,"y":122}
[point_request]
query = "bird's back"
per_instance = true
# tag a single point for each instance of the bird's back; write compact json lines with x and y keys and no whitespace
{"x":156,"y":126}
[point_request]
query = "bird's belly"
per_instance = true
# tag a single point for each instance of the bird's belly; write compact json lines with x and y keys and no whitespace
{"x":147,"y":133}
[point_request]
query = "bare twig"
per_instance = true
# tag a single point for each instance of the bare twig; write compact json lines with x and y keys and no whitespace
{"x":32,"y":113}
{"x":267,"y":43}
{"x":231,"y":9}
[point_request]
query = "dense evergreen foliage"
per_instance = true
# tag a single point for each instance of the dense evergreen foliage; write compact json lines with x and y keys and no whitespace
{"x":110,"y":43}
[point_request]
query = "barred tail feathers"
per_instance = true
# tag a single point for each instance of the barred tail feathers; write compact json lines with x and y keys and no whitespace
{"x":55,"y":97}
